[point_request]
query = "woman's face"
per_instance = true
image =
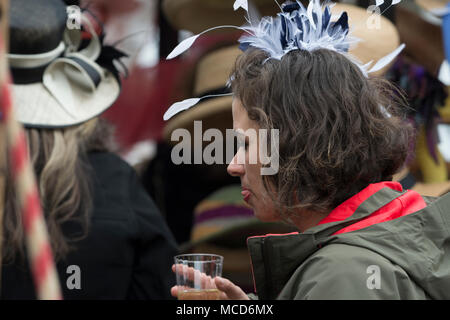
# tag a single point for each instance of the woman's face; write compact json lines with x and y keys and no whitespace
{"x":247,"y":166}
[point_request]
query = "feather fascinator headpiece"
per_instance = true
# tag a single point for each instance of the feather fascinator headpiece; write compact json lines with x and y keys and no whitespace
{"x":294,"y":28}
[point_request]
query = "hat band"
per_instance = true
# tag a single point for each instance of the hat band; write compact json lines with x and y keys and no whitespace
{"x":219,"y":90}
{"x":35,"y":75}
{"x":206,"y":95}
{"x":94,"y":74}
{"x":27,"y":76}
{"x":30,"y":61}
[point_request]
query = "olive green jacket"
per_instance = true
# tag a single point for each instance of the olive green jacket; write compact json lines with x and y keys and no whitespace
{"x":407,"y":257}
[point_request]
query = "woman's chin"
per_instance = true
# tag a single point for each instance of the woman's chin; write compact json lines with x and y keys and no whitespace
{"x":265,"y":216}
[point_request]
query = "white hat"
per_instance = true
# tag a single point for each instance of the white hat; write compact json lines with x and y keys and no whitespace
{"x":55,"y":83}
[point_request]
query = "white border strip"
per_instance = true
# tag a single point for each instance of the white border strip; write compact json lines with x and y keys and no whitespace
{"x":28,"y":61}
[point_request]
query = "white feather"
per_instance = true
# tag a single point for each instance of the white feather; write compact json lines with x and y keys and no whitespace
{"x":379,"y":3}
{"x":318,"y":9}
{"x":182,"y":47}
{"x":367,"y":65}
{"x":180,"y":106}
{"x":240,"y":4}
{"x":395,"y":1}
{"x":383,"y":62}
{"x":309,"y":13}
{"x":301,"y":34}
{"x":265,"y":36}
{"x":187,"y":43}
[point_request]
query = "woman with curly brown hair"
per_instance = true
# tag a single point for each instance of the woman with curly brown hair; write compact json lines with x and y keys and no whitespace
{"x":334,"y":137}
{"x":342,"y":137}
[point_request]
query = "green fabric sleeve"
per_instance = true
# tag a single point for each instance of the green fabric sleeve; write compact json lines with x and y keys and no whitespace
{"x":344,"y":272}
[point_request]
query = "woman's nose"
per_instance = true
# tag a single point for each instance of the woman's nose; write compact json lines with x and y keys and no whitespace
{"x":235,"y":169}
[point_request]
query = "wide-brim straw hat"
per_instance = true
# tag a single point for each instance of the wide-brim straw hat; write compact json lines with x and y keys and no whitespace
{"x":430,"y":11}
{"x":431,"y":4}
{"x":56,"y":81}
{"x":199,"y":15}
{"x":211,"y":75}
{"x":378,"y":35}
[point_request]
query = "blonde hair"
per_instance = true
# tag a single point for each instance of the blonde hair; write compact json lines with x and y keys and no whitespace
{"x":62,"y":172}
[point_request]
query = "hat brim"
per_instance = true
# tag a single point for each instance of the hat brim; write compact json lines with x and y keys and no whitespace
{"x":36,"y":107}
{"x":431,"y":4}
{"x":432,"y":189}
{"x":199,"y":15}
{"x":214,"y":113}
{"x":378,"y":35}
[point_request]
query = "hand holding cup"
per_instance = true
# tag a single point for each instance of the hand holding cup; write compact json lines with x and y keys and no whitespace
{"x":199,"y":278}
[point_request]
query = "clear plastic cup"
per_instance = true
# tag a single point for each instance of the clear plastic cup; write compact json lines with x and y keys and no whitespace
{"x":195,"y":274}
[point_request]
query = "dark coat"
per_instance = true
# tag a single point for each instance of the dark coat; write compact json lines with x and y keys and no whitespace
{"x":129,"y":249}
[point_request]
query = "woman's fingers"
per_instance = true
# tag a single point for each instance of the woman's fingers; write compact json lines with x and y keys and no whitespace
{"x":174,"y":291}
{"x":198,"y":278}
{"x":230,"y":290}
{"x":208,"y":282}
{"x":188,"y":273}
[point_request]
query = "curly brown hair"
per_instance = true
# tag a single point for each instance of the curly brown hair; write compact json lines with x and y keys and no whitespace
{"x":335,"y":138}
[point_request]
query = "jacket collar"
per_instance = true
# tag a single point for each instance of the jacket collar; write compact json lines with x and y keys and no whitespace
{"x":274,"y":258}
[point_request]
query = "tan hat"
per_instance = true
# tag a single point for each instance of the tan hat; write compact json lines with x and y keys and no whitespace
{"x":378,"y":35}
{"x":199,"y":15}
{"x":425,"y":189}
{"x":432,"y":4}
{"x":212,"y":73}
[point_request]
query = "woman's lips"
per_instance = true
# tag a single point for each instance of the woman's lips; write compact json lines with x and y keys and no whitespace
{"x":246,"y":194}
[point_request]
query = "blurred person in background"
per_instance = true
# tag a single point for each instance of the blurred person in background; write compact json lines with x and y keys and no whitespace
{"x":108,"y":238}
